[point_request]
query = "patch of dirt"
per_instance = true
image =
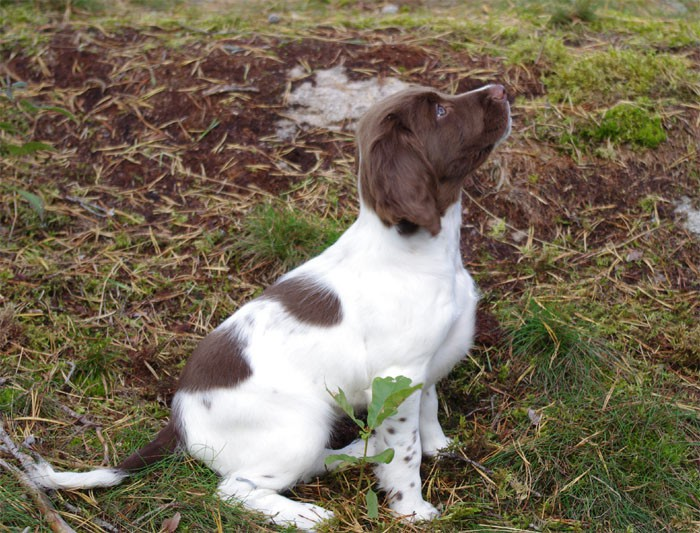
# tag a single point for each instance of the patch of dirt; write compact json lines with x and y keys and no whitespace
{"x":155,"y":122}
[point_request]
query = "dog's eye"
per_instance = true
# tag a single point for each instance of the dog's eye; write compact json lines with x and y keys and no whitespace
{"x":440,"y":111}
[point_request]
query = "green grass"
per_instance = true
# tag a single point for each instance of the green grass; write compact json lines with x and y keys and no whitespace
{"x":284,"y":236}
{"x":607,"y":463}
{"x":576,"y":12}
{"x":603,"y":443}
{"x":560,"y":357}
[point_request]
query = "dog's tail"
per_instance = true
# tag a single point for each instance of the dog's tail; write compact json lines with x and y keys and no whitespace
{"x":163,"y":445}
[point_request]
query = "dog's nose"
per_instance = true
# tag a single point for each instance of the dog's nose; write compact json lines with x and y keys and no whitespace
{"x":497,"y":92}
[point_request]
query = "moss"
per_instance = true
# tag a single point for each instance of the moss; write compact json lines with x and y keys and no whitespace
{"x":607,"y":76}
{"x":573,"y":12}
{"x":628,"y":123}
{"x":535,"y":50}
{"x":646,"y":33}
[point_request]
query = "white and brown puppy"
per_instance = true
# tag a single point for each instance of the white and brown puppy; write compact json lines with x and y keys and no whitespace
{"x":391,"y":297}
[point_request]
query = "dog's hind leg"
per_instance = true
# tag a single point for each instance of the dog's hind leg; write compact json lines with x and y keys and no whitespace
{"x":262,"y":446}
{"x":268,"y":501}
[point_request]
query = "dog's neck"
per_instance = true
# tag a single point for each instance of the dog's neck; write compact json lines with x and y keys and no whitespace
{"x":389,"y":240}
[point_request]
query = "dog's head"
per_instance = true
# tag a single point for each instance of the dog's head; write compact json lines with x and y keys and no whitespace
{"x":417,"y":146}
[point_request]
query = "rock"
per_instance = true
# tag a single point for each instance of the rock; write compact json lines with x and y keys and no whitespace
{"x":390,"y":9}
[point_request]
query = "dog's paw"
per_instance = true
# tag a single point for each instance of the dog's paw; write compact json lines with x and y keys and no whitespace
{"x":434,"y":444}
{"x":306,"y":517}
{"x":416,"y":511}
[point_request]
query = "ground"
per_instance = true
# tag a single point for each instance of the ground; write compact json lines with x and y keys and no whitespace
{"x":163,"y":196}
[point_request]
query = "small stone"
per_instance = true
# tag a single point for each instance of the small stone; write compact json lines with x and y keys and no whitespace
{"x":274,"y":18}
{"x":390,"y":9}
{"x":534,"y":416}
{"x":634,"y":255}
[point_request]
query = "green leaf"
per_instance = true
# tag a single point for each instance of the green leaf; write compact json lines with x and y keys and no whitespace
{"x":35,"y":202}
{"x":26,"y":148}
{"x":28,"y":106}
{"x":385,"y":457}
{"x":344,"y":404}
{"x":8,"y":127}
{"x":60,"y":110}
{"x":213,"y":124}
{"x":387,"y":394}
{"x":32,"y":108}
{"x":372,"y":504}
{"x":343,"y":457}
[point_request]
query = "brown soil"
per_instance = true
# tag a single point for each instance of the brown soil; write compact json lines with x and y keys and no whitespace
{"x":155,"y":120}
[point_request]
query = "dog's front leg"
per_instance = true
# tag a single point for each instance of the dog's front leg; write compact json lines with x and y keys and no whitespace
{"x":432,"y":437}
{"x":400,"y":479}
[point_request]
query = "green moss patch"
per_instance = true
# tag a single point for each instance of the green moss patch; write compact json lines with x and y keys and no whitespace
{"x":613,"y":74}
{"x":628,"y":123}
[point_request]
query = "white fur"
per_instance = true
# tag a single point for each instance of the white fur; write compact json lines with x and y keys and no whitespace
{"x":43,"y":475}
{"x":418,"y":322}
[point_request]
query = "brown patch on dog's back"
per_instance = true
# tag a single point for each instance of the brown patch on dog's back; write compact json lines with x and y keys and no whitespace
{"x":217,"y":361}
{"x":307,"y":300}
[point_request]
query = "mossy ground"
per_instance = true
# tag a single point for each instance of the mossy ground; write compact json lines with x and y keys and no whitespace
{"x":158,"y":210}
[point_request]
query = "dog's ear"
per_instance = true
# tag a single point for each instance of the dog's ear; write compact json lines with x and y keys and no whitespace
{"x":396,"y":179}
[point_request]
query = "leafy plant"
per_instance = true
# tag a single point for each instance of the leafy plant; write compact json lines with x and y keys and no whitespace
{"x":387,"y":395}
{"x":13,"y":124}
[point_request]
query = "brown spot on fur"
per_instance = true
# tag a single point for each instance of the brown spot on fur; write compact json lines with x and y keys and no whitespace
{"x":217,"y":361}
{"x":161,"y":446}
{"x":307,"y":300}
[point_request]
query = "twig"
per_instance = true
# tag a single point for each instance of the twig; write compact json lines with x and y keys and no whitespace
{"x":464,"y":458}
{"x":98,"y":521}
{"x":81,"y":419}
{"x":96,"y":210}
{"x":12,"y":449}
{"x":56,"y":523}
{"x":153,"y":512}
{"x":66,"y":382}
{"x":40,"y":499}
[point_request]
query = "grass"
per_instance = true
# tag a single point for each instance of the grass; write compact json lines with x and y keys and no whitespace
{"x":612,"y":74}
{"x":284,"y":236}
{"x":147,"y":224}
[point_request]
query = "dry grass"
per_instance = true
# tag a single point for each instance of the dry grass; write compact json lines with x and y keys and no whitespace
{"x":166,"y":200}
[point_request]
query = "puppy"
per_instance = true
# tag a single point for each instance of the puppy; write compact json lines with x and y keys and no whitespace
{"x":391,"y":297}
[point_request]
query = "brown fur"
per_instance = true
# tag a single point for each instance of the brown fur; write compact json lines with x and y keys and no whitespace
{"x":161,"y":446}
{"x":217,"y":361}
{"x":307,"y":301}
{"x":412,"y":164}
